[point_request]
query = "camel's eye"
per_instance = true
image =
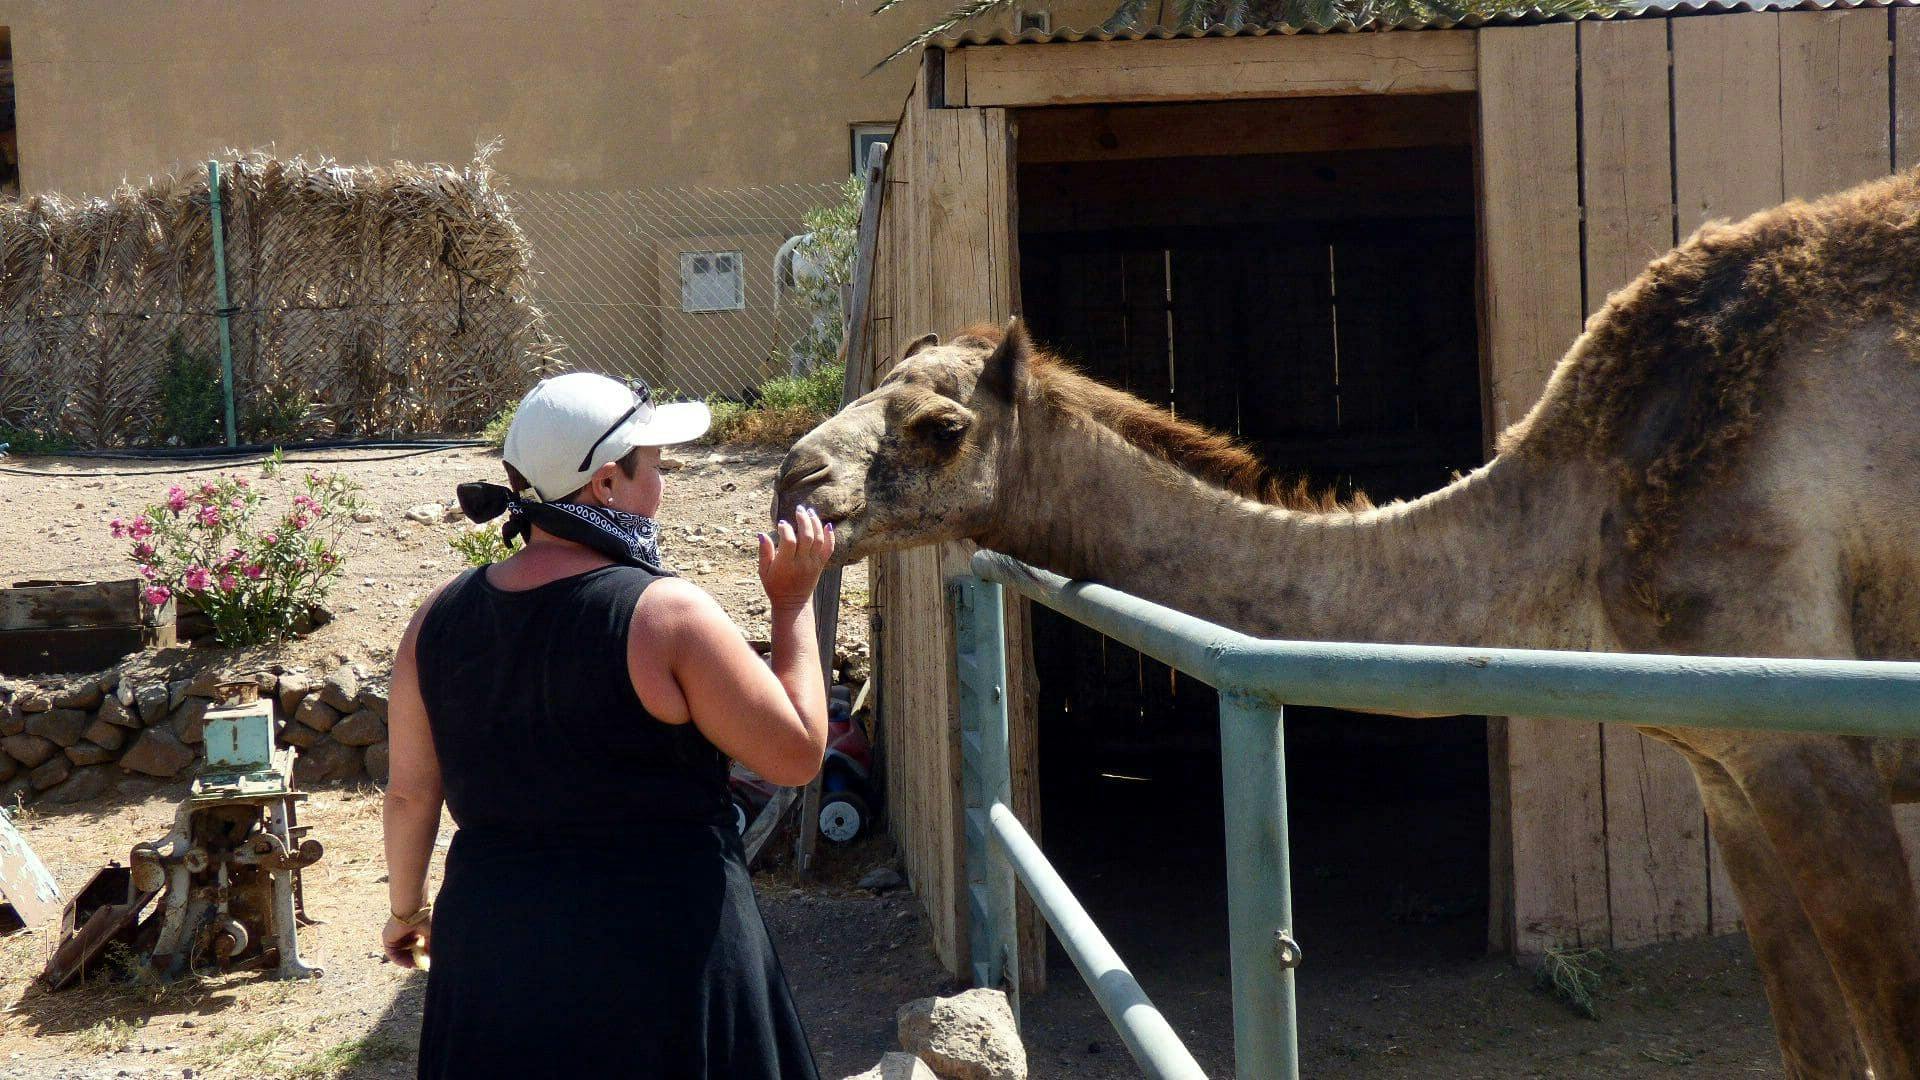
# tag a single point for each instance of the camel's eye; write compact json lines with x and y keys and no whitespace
{"x":943,"y":429}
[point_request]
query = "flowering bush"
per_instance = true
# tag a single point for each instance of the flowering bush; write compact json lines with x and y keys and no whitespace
{"x":254,"y":582}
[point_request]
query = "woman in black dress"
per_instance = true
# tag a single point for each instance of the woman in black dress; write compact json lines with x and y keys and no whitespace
{"x":575,"y":706}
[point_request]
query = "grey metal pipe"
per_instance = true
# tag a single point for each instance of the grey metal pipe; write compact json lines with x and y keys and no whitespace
{"x":1848,"y":697}
{"x":1158,"y":1051}
{"x":1253,"y":774}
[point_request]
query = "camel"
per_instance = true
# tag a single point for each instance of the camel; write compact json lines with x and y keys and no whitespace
{"x":1726,"y":462}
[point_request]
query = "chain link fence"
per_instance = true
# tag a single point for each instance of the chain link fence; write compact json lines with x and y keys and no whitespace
{"x":692,"y":289}
{"x":358,"y":301}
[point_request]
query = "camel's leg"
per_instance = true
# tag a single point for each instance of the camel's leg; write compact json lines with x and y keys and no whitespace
{"x":1809,"y":1014}
{"x":1823,"y":806}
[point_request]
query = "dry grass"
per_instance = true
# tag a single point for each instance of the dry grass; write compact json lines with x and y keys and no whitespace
{"x":388,"y":299}
{"x":1572,"y":975}
{"x":779,"y":427}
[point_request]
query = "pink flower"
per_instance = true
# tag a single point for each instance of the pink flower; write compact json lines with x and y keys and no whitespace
{"x":209,"y":516}
{"x":119,"y":529}
{"x":208,"y":490}
{"x":197,"y":579}
{"x":148,"y":572}
{"x":306,"y":502}
{"x":255,"y":571}
{"x":299,"y":564}
{"x":241,"y":482}
{"x":155,"y":595}
{"x":143,"y":550}
{"x":299,"y":521}
{"x":270,"y":539}
{"x":176,"y":499}
{"x":232,"y":556}
{"x":141,"y":528}
{"x":236,"y":502}
{"x":228,"y":583}
{"x":328,"y":558}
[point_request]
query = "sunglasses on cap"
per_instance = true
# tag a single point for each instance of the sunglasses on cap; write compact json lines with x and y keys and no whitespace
{"x":642,"y":398}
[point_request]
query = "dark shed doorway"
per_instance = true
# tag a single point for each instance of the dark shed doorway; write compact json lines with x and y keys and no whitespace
{"x":1299,"y":273}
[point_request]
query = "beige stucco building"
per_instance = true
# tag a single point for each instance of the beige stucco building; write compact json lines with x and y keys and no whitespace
{"x":587,"y":98}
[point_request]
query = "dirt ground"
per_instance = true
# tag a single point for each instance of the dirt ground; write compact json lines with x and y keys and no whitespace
{"x":1415,"y":1001}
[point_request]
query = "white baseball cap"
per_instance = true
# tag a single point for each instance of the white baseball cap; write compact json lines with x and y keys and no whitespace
{"x":570,"y":425}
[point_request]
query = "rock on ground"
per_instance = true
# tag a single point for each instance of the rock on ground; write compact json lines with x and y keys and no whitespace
{"x":341,"y":687}
{"x":190,"y":720}
{"x":28,"y":750}
{"x":63,"y":726}
{"x":363,"y":728}
{"x":898,"y":1066}
{"x":970,"y":1036}
{"x":325,"y":762}
{"x":51,"y":772}
{"x":83,"y":784}
{"x":377,"y":766}
{"x":157,"y":753}
{"x":316,"y":714}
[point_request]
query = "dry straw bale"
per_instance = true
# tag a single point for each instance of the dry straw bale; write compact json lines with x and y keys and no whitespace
{"x":391,"y":299}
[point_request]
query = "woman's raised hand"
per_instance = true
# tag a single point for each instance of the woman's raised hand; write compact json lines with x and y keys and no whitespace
{"x":791,"y":560}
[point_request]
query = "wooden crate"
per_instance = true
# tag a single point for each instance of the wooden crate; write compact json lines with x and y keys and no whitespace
{"x":50,"y":627}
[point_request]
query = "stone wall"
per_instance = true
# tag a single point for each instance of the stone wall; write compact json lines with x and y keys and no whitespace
{"x":68,"y":738}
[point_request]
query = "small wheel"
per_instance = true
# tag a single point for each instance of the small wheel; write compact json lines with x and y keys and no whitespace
{"x":843,"y":816}
{"x":740,"y":818}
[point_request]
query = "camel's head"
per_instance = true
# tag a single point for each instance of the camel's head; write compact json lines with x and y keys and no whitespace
{"x":919,"y":459}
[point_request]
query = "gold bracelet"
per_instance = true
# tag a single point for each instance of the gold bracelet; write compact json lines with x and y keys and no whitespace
{"x":414,"y":919}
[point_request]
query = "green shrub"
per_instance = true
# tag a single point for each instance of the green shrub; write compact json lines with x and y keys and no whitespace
{"x":482,"y":546}
{"x":28,"y":441}
{"x":495,"y":433}
{"x":833,"y":233}
{"x":193,"y":411}
{"x":785,"y":408}
{"x":273,"y":414}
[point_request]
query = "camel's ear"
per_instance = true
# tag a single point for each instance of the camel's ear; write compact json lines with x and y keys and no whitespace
{"x":1005,"y":374}
{"x":924,"y":341}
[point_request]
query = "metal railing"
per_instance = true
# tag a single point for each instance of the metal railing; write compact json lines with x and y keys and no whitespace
{"x":1256,"y":679}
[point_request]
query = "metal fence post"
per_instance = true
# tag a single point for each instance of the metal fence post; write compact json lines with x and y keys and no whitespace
{"x":1253,"y":774}
{"x":220,"y":295}
{"x":980,"y":641}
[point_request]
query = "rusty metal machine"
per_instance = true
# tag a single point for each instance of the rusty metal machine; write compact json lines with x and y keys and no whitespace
{"x":227,"y":876}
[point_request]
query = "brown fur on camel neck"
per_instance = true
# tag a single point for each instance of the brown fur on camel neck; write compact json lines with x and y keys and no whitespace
{"x":1216,"y":458}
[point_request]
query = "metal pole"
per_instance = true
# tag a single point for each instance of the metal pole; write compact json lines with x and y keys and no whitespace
{"x":1158,"y":1051}
{"x":1253,"y":775}
{"x":981,"y":658}
{"x":220,"y":296}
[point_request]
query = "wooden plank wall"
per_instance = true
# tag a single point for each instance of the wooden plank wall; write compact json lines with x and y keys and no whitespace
{"x":1554,"y":845}
{"x":1677,"y":122}
{"x":944,"y":261}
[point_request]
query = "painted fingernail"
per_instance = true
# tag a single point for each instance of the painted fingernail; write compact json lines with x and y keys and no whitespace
{"x":829,"y":526}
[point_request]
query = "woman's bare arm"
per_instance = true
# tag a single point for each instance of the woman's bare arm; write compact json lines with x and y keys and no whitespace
{"x":410,"y":816}
{"x":772,"y":721}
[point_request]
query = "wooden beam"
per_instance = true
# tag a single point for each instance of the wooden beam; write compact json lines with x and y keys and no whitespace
{"x":1906,"y":88}
{"x":1199,"y":69}
{"x":1834,"y":99}
{"x":1726,"y":164}
{"x":1555,"y":836}
{"x":1315,"y":125}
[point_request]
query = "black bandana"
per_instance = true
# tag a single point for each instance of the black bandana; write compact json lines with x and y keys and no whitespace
{"x":625,"y":538}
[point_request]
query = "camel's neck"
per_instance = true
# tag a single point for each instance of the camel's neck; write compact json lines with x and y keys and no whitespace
{"x":1495,"y":559}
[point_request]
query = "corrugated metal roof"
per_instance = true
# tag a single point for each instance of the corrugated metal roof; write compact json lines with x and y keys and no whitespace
{"x":1656,"y":9}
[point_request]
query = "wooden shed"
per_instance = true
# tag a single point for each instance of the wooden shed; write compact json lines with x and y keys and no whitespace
{"x":1362,"y":252}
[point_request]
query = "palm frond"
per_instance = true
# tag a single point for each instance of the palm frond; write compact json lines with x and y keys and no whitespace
{"x":1125,"y":17}
{"x":1234,"y":13}
{"x":1192,"y":14}
{"x":970,"y":10}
